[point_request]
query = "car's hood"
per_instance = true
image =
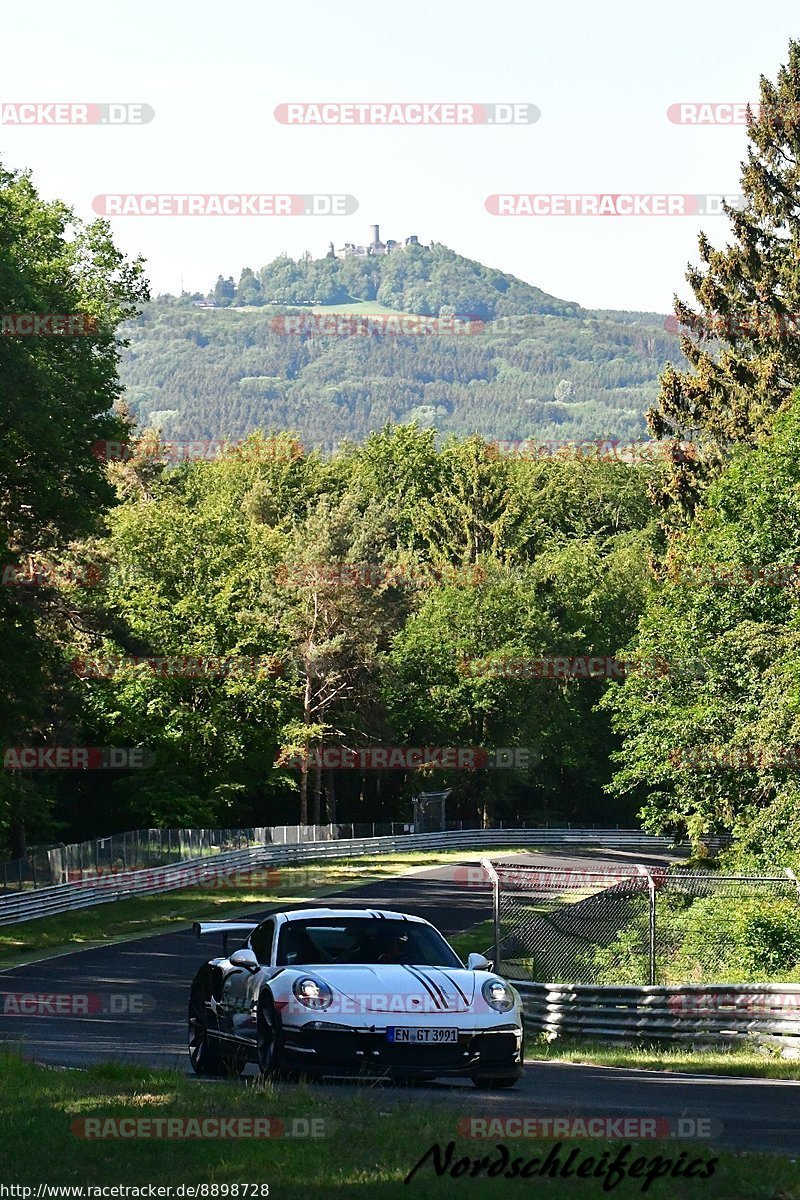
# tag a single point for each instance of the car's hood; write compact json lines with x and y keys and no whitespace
{"x":393,"y":988}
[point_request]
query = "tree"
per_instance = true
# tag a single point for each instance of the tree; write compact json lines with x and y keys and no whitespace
{"x":338,"y":613}
{"x":189,"y":561}
{"x":742,"y":345}
{"x":224,"y":291}
{"x":248,"y":290}
{"x":58,"y":393}
{"x":476,"y":509}
{"x":711,"y":743}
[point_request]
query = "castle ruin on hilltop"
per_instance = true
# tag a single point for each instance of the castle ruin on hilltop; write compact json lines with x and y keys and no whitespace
{"x":374,"y":248}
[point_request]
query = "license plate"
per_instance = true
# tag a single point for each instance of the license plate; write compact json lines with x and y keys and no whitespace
{"x":402,"y":1033}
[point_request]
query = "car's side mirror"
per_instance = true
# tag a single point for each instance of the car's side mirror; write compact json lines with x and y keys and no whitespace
{"x":476,"y":962}
{"x":245,"y":958}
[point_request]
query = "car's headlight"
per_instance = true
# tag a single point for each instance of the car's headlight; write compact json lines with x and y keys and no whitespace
{"x":497,"y":995}
{"x":312,"y":992}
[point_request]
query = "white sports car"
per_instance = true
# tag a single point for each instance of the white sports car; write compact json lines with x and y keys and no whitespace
{"x":356,"y":991}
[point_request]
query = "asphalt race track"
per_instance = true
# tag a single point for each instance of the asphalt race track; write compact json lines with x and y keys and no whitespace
{"x":151,"y":975}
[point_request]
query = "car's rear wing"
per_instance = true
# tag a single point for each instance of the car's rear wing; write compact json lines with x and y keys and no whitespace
{"x":226,"y":929}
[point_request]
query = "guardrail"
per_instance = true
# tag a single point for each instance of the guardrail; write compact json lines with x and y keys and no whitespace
{"x":64,"y":897}
{"x":698,"y":1013}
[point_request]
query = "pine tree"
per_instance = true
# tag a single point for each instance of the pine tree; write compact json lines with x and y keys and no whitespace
{"x":742,"y":346}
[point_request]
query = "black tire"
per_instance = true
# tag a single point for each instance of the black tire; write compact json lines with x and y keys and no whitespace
{"x":204,"y":1054}
{"x":269,"y":1042}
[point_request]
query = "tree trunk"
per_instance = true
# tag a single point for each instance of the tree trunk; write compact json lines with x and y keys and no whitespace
{"x":304,"y":794}
{"x":306,"y":721}
{"x":330,"y":797}
{"x":317,"y":819}
{"x":17,"y":841}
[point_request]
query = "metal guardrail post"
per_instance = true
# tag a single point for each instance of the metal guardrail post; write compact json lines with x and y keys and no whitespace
{"x":488,"y":867}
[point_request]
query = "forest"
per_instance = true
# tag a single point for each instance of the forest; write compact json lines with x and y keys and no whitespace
{"x":278,"y":633}
{"x":521,"y":364}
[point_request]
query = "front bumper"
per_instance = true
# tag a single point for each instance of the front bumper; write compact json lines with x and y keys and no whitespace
{"x":317,"y":1048}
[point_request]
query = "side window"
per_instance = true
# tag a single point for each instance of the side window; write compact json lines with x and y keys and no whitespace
{"x":261,"y":941}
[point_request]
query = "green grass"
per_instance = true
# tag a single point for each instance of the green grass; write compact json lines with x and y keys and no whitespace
{"x":477,"y":937}
{"x":143,"y":915}
{"x":736,"y":1059}
{"x":372,"y":1141}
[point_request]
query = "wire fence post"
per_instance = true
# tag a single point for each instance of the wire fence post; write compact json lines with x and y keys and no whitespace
{"x":488,"y":867}
{"x":651,"y":925}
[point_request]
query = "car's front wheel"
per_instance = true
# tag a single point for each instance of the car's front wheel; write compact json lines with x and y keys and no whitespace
{"x":269,"y":1041}
{"x":204,"y":1054}
{"x":509,"y":1080}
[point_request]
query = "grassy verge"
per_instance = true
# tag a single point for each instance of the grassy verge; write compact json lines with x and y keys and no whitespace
{"x":477,"y":938}
{"x":370,"y":1145}
{"x":141,"y":915}
{"x":717,"y":1060}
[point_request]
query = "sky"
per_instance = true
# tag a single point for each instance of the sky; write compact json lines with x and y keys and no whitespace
{"x":602,"y":76}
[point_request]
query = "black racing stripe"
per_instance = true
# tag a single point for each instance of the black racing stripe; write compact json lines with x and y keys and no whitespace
{"x":425,"y":984}
{"x":433,"y":983}
{"x":463,"y":995}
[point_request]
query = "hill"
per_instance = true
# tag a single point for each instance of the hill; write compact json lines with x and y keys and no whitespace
{"x":523,"y":363}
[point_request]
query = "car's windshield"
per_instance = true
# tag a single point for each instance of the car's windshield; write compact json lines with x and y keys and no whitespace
{"x":368,"y":940}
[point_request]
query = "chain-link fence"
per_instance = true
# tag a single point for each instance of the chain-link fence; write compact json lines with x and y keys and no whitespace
{"x":641,"y":926}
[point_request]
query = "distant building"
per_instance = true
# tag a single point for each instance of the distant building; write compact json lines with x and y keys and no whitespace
{"x":374,"y":248}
